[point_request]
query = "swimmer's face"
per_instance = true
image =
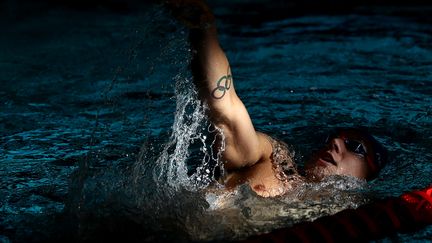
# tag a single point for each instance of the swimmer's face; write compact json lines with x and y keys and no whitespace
{"x":346,"y":153}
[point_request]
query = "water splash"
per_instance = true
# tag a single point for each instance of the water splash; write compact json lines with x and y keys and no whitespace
{"x":172,"y":160}
{"x":191,"y":125}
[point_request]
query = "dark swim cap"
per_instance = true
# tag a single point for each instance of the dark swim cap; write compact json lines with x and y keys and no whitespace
{"x":377,"y":158}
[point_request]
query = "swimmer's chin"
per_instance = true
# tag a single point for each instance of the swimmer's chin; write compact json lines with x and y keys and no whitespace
{"x":316,"y":174}
{"x":316,"y":170}
{"x":312,"y":177}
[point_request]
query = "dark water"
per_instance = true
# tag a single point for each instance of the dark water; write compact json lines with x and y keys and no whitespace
{"x":88,"y":149}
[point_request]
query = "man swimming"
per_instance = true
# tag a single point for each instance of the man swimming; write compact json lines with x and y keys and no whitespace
{"x":265,"y":163}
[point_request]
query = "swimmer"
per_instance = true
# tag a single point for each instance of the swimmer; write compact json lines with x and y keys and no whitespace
{"x":252,"y":157}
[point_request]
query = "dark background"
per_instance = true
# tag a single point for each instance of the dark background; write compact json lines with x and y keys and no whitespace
{"x":16,"y":9}
{"x":242,"y":12}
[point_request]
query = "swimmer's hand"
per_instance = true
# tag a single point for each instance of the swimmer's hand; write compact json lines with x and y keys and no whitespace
{"x":195,"y":14}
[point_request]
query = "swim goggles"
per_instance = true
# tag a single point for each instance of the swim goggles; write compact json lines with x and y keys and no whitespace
{"x":353,"y":145}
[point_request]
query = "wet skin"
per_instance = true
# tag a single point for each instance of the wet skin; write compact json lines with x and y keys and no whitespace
{"x":336,"y":159}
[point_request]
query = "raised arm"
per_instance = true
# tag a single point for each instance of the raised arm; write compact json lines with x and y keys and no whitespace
{"x":213,"y":78}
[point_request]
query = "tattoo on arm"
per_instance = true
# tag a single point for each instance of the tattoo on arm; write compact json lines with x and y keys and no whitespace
{"x":222,"y":85}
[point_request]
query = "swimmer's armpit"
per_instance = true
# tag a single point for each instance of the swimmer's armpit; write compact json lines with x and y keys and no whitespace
{"x":222,"y":85}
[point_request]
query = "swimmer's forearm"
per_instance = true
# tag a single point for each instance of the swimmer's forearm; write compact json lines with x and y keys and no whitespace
{"x":209,"y":65}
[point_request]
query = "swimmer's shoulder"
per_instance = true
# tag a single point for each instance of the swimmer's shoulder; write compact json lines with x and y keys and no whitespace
{"x":266,"y":143}
{"x":274,"y":144}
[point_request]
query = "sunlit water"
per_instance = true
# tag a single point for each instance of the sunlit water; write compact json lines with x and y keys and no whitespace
{"x":103,"y":137}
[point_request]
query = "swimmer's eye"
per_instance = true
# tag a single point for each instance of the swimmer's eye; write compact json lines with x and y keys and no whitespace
{"x":355,"y":146}
{"x":352,"y":145}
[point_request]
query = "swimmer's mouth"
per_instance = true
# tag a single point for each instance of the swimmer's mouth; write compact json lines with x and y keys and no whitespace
{"x":327,"y":157}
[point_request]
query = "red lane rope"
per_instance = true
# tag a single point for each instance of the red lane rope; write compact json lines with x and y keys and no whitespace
{"x":422,"y":200}
{"x":372,"y":226}
{"x":299,"y":232}
{"x":348,"y":226}
{"x":391,"y":214}
{"x":408,"y":212}
{"x":327,"y":237}
{"x":425,"y":196}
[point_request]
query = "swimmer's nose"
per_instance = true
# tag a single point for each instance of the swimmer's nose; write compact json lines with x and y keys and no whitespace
{"x":337,"y":148}
{"x":335,"y":145}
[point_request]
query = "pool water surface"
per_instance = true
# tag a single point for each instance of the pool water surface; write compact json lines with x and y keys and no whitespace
{"x":102,"y":136}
